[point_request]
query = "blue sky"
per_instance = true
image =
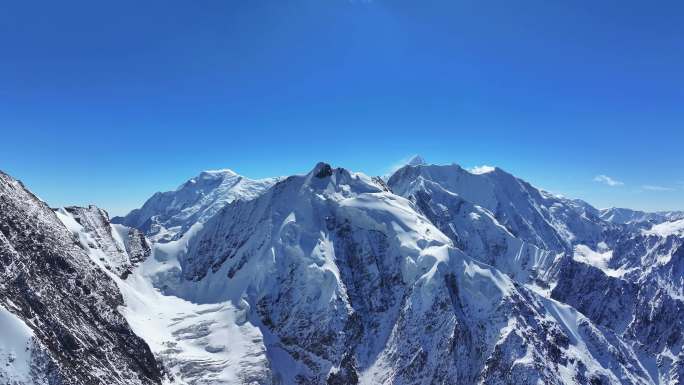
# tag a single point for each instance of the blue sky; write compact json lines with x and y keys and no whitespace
{"x":108,"y":102}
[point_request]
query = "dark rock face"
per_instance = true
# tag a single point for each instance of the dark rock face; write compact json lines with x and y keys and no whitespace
{"x":49,"y":282}
{"x":324,"y":170}
{"x":123,"y":248}
{"x":137,"y":247}
{"x":608,"y":301}
{"x":644,"y":305}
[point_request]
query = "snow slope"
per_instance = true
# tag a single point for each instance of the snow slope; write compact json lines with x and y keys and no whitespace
{"x":15,"y":350}
{"x":477,"y":232}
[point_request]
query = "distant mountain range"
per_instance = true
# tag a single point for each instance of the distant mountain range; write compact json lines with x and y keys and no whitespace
{"x":432,"y":275}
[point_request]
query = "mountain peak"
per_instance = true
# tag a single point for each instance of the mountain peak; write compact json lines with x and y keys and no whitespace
{"x":169,"y":214}
{"x":416,"y":160}
{"x":210,"y":174}
{"x":209,"y":177}
{"x":322,"y":170}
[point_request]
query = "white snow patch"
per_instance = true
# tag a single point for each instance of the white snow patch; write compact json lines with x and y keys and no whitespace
{"x":666,"y":229}
{"x":68,"y":221}
{"x":15,"y":349}
{"x":479,"y":170}
{"x":119,"y":233}
{"x":599,"y":259}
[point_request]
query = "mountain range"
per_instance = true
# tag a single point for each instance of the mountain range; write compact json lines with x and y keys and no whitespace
{"x":431,"y":275}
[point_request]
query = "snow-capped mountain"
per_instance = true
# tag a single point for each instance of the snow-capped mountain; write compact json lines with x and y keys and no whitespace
{"x":328,"y":267}
{"x":168,"y":215}
{"x":438,"y":275}
{"x":624,"y":274}
{"x":477,"y":231}
{"x":535,"y":216}
{"x":347,"y":283}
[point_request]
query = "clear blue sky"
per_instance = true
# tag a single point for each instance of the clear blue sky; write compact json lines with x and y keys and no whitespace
{"x":107,"y":102}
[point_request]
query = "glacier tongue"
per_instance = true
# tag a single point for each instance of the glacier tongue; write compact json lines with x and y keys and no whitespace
{"x":196,"y":343}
